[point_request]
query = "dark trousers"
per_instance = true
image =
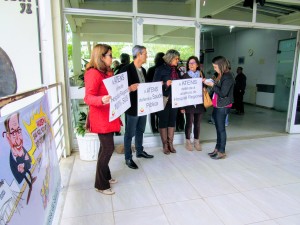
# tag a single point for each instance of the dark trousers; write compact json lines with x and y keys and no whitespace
{"x":239,"y":101}
{"x":167,"y":117}
{"x":105,"y":152}
{"x":219,"y":116}
{"x":154,"y":122}
{"x":193,"y":119}
{"x":180,"y":121}
{"x":135,"y":127}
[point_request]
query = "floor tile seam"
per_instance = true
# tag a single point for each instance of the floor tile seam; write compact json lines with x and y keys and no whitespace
{"x":148,"y":181}
{"x":238,"y":189}
{"x":281,"y":217}
{"x":180,"y":201}
{"x":92,"y":214}
{"x":211,"y":207}
{"x":257,"y":205}
{"x":262,"y":221}
{"x":187,"y":180}
{"x":135,"y":208}
{"x":253,"y":203}
{"x":63,"y":200}
{"x":145,"y":182}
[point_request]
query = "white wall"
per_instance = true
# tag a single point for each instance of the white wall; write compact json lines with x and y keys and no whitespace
{"x":260,"y":68}
{"x":19,"y":39}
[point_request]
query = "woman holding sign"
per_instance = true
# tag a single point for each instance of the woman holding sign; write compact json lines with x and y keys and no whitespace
{"x":222,"y":102}
{"x":193,"y":113}
{"x":96,"y":96}
{"x":167,"y":117}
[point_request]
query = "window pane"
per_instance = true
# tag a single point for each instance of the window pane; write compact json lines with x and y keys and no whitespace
{"x":168,"y":7}
{"x":109,"y":5}
{"x":225,"y":10}
{"x":158,"y":38}
{"x":83,"y":32}
{"x":279,"y":13}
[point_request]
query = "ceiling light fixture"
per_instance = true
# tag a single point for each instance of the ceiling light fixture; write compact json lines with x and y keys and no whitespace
{"x":230,"y":28}
{"x":204,"y":3}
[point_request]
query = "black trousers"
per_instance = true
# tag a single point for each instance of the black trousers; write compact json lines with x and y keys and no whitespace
{"x":154,"y":122}
{"x":238,"y":101}
{"x":167,"y":117}
{"x":105,"y":152}
{"x":193,"y":119}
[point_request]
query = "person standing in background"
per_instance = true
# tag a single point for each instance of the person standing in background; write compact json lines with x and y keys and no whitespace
{"x":158,"y":60}
{"x":222,"y":102}
{"x":135,"y":125}
{"x":125,"y":60}
{"x":167,"y":117}
{"x":239,"y":91}
{"x":97,"y":98}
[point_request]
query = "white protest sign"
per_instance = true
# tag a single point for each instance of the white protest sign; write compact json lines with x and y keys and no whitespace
{"x":117,"y":87}
{"x":186,"y":92}
{"x":150,"y":98}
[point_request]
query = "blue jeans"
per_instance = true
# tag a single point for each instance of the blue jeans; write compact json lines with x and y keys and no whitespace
{"x":226,"y":121}
{"x":135,"y":126}
{"x":219,"y":115}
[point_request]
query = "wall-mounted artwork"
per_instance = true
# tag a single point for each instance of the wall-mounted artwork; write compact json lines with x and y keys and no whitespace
{"x":241,"y":60}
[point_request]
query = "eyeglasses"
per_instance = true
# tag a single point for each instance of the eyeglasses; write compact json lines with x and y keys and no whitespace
{"x":192,"y":63}
{"x":15,"y":132}
{"x":110,"y":55}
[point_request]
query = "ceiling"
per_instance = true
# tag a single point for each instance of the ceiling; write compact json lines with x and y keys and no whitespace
{"x":109,"y":29}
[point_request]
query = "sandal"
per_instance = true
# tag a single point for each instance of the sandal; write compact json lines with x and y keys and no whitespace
{"x":106,"y":192}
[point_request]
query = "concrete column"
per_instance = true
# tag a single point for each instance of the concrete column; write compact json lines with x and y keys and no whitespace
{"x":76,"y":53}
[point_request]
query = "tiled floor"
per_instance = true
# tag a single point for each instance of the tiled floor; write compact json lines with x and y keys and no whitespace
{"x":258,"y":183}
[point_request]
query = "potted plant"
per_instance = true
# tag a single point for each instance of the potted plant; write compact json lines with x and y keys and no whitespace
{"x":88,"y":143}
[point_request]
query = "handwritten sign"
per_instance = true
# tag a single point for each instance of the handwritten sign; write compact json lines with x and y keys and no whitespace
{"x":150,"y":98}
{"x":117,"y":87}
{"x":186,"y":92}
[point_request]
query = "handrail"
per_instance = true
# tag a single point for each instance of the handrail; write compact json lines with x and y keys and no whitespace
{"x":15,"y":97}
{"x":58,"y":132}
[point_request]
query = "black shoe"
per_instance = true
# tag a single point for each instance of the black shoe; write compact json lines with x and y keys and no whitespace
{"x":214,"y":152}
{"x":144,"y":154}
{"x":213,"y":155}
{"x":131,"y":164}
{"x":219,"y":156}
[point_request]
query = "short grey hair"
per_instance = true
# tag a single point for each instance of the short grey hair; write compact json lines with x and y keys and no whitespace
{"x":137,"y":49}
{"x":170,"y":55}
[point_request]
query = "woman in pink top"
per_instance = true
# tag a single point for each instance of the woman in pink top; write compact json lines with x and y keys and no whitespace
{"x":222,"y":102}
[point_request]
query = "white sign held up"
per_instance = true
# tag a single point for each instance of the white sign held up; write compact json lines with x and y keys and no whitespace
{"x":150,"y":98}
{"x":117,"y":87}
{"x":186,"y":92}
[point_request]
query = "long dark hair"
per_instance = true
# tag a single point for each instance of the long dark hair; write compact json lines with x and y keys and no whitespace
{"x":222,"y":63}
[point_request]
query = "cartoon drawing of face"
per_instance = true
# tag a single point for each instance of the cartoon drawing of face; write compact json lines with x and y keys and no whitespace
{"x":14,"y":136}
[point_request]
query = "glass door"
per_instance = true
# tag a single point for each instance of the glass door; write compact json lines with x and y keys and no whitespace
{"x":160,"y":35}
{"x":293,"y":121}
